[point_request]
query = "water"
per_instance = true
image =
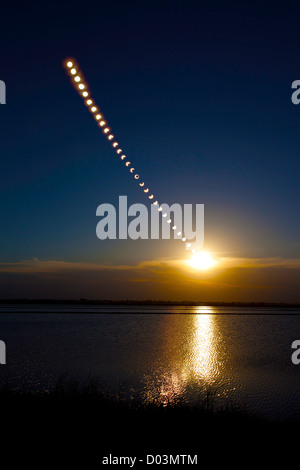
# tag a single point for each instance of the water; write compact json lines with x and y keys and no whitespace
{"x":160,"y":354}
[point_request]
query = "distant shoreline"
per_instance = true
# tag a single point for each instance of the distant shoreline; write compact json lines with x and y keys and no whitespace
{"x":145,"y":302}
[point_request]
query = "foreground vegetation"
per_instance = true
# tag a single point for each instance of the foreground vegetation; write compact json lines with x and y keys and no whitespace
{"x":78,"y":424}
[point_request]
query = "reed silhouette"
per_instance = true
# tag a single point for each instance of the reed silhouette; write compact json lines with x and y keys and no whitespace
{"x":77,"y":424}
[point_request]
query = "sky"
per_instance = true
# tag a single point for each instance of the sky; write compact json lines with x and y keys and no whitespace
{"x":198,"y":93}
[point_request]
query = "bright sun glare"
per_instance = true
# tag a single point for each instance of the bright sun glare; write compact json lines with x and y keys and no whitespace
{"x":202,"y":260}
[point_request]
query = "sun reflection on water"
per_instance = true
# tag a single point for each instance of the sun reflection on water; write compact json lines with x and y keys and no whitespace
{"x":203,"y":352}
{"x":168,"y":388}
{"x":191,"y":359}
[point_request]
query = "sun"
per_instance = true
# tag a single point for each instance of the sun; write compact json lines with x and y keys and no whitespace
{"x":202,"y":260}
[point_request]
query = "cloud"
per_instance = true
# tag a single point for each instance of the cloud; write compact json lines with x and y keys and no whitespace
{"x":234,"y":279}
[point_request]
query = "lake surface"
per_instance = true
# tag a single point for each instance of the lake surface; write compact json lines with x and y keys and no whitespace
{"x":159,"y":354}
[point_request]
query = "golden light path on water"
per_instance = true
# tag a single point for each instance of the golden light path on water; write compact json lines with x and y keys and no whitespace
{"x":194,"y":361}
{"x":203,"y":351}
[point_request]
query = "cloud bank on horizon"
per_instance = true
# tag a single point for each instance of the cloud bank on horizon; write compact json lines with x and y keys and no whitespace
{"x":260,"y":280}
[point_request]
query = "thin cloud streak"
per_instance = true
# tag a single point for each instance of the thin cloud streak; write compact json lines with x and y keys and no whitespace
{"x":249,"y":280}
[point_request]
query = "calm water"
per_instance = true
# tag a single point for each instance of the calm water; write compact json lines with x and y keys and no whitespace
{"x":160,"y":354}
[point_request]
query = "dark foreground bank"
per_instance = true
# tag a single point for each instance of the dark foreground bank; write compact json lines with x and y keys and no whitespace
{"x":79,"y":427}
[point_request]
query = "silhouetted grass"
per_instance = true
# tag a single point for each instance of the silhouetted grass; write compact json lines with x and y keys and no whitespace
{"x":82,"y":422}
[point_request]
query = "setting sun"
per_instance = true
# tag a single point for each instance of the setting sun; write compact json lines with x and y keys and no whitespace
{"x":202,"y":260}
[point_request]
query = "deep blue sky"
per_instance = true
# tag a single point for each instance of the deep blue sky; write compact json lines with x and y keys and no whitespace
{"x":198,"y":93}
